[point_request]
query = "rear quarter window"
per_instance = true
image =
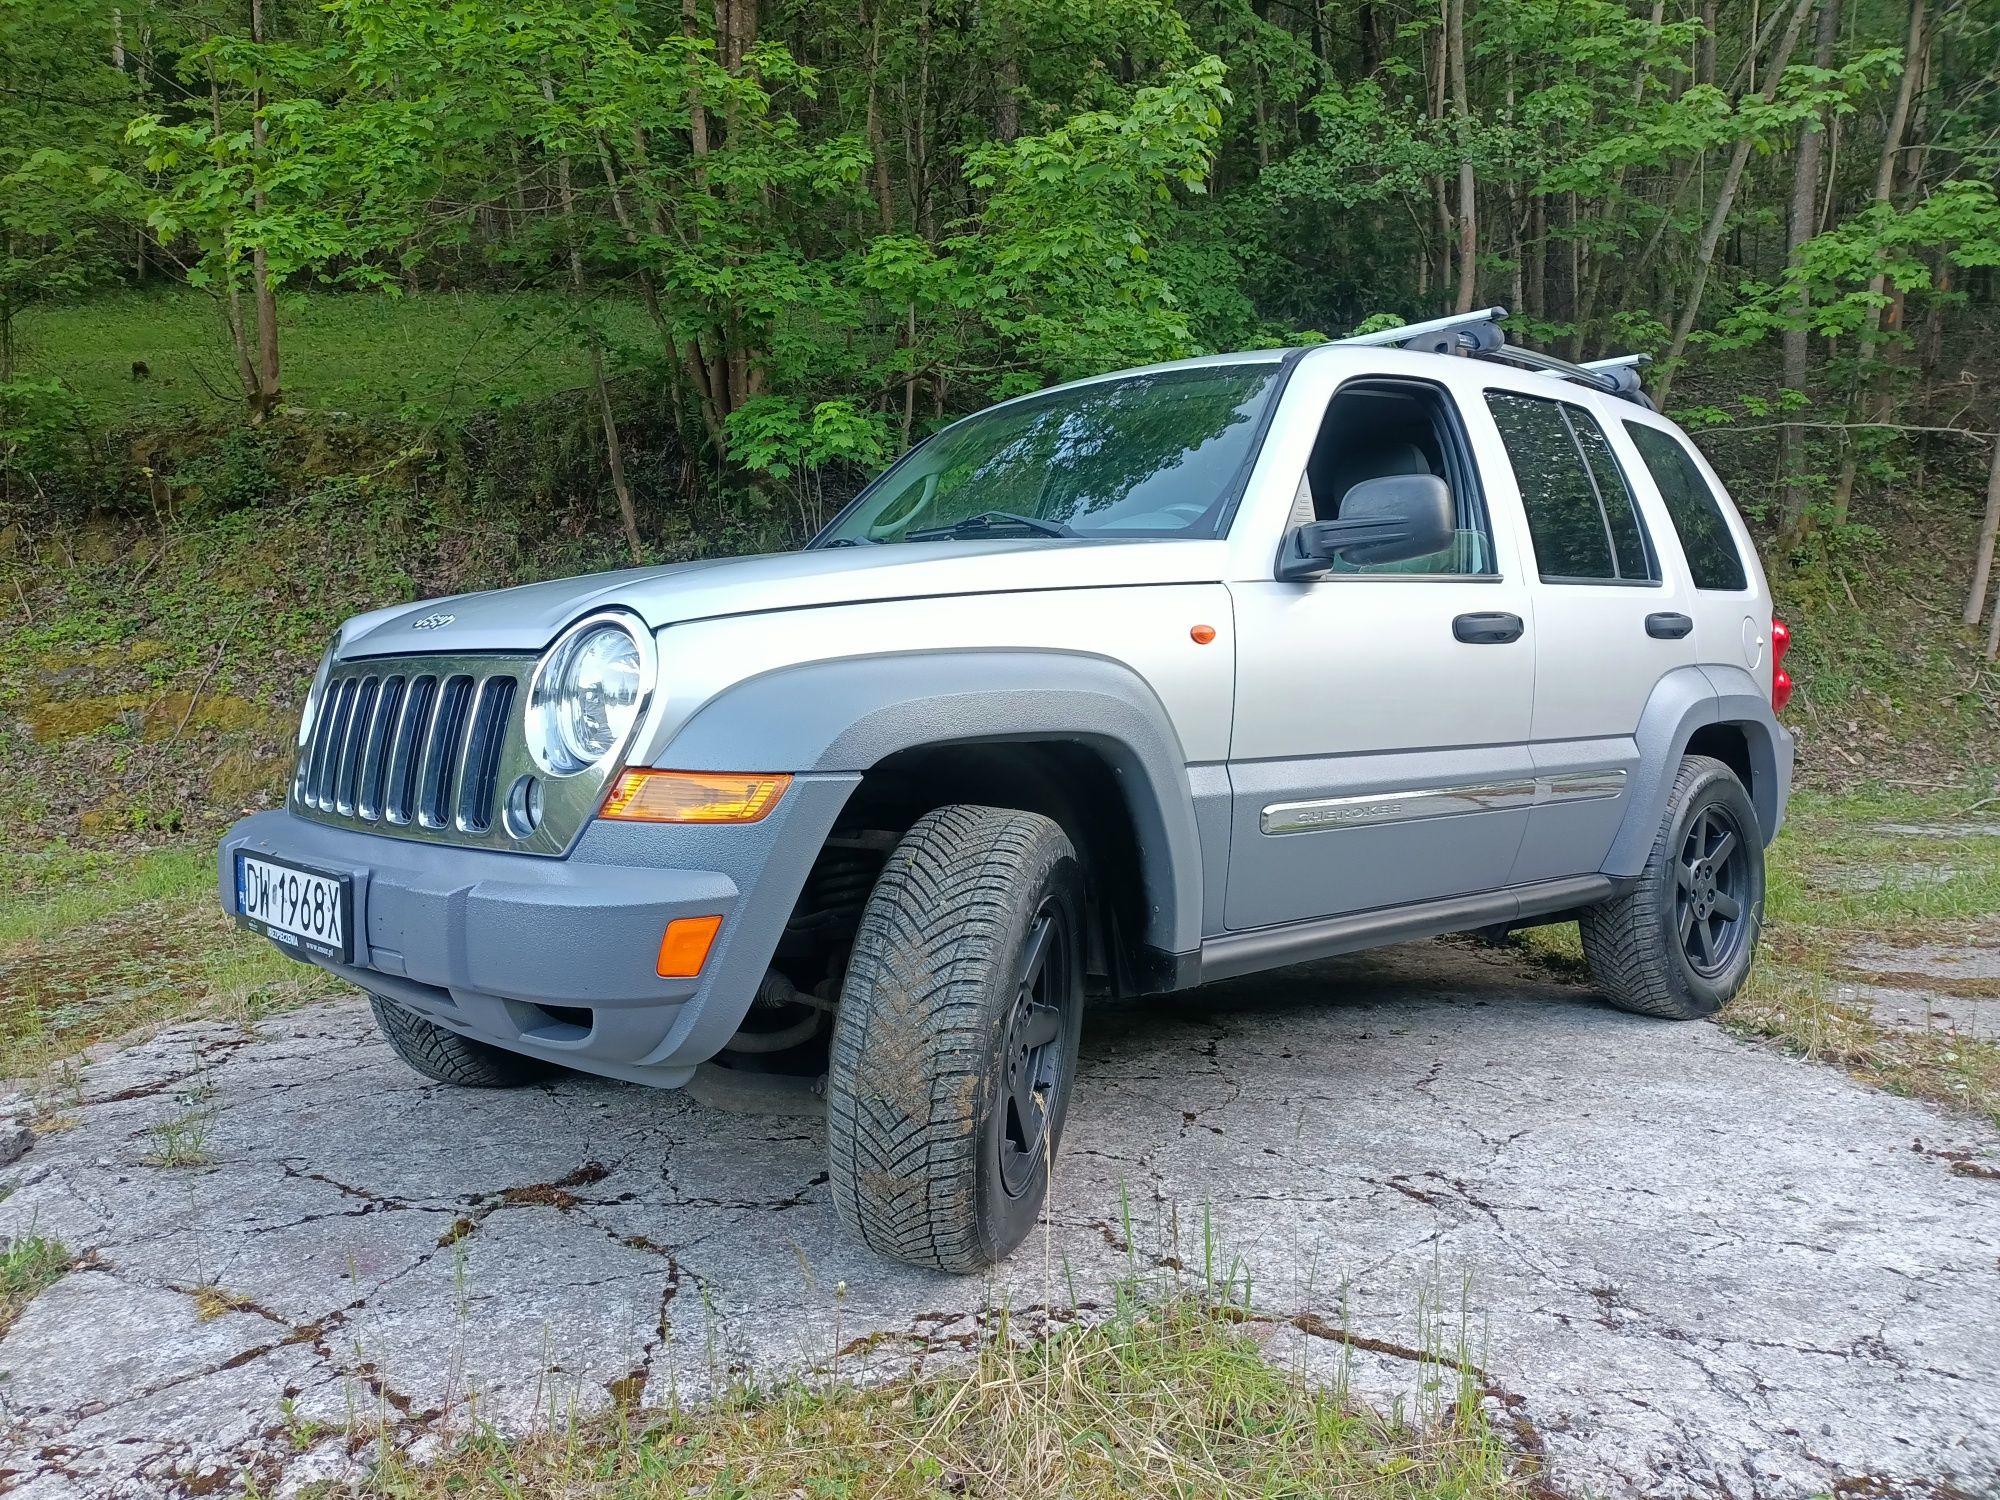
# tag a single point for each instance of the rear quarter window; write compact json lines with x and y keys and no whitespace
{"x":1713,"y":560}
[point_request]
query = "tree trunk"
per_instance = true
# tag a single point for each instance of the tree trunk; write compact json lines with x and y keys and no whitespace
{"x":1468,"y":195}
{"x":1878,"y":284}
{"x":1613,"y":211}
{"x":264,"y":398}
{"x":232,"y":296}
{"x":878,"y":155}
{"x":1704,"y":52}
{"x":1725,"y":199}
{"x":614,"y":448}
{"x":1799,"y":229}
{"x":1989,"y":528}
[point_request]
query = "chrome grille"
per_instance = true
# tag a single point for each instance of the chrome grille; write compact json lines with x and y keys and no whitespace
{"x":408,"y":748}
{"x":422,"y":747}
{"x":430,"y":748}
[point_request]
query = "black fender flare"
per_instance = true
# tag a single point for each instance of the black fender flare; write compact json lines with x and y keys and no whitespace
{"x":849,"y":714}
{"x":1685,"y":700}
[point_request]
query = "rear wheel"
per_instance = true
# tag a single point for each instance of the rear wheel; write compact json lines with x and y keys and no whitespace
{"x":1679,"y":945}
{"x":955,"y":1044}
{"x":450,"y":1058}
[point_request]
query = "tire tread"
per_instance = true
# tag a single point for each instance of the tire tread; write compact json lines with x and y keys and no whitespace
{"x":903,"y":1155}
{"x":1624,"y":939}
{"x":447,"y":1057}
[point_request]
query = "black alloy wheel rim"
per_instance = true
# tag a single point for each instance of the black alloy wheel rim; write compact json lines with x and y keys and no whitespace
{"x":1712,"y":892}
{"x":1033,"y":1063}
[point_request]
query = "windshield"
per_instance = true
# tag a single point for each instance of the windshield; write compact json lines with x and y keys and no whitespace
{"x":1147,"y":455}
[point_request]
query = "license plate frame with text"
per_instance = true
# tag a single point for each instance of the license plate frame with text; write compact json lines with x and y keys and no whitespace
{"x":306,"y":910}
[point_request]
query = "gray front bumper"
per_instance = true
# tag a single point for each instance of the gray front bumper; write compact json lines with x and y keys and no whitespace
{"x":486,"y":943}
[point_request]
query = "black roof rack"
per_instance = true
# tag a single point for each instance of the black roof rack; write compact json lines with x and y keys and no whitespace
{"x":1478,"y":333}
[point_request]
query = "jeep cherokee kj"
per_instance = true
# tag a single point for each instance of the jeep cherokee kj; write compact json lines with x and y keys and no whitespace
{"x":1153,"y":679}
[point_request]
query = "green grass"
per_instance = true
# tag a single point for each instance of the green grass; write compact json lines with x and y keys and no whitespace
{"x":416,"y":356}
{"x":58,"y":892}
{"x":28,"y":1265}
{"x":97,"y":945}
{"x":1178,"y":1399}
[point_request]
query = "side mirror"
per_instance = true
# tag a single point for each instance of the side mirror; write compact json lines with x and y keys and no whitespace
{"x":1383,"y":520}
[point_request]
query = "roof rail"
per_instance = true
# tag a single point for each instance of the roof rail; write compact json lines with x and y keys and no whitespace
{"x":1439,"y":335}
{"x":1479,"y":333}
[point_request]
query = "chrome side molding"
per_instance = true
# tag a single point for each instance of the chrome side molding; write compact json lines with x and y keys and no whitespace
{"x":1373,"y":809}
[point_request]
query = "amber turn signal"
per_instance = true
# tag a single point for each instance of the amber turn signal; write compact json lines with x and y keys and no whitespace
{"x":685,"y":944}
{"x":692,"y":797}
{"x":1201,"y":635}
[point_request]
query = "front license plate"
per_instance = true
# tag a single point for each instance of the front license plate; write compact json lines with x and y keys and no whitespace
{"x":300,"y":908}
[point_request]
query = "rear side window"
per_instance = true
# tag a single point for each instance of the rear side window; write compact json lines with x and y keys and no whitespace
{"x":1711,"y":551}
{"x":1581,"y":513}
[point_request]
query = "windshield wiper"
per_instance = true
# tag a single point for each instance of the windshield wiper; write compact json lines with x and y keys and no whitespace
{"x":988,"y":521}
{"x":852,"y":541}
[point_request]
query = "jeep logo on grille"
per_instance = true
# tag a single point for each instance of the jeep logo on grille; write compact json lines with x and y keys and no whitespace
{"x":433,"y":622}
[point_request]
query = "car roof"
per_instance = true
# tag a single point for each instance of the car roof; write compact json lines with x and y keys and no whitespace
{"x":1370,"y":358}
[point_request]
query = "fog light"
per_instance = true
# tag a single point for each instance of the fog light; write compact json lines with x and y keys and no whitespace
{"x":524,"y":806}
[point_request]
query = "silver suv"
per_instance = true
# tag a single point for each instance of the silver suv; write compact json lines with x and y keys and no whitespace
{"x":1154,"y":679}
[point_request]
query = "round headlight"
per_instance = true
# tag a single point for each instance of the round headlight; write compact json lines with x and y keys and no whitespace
{"x":586,"y":698}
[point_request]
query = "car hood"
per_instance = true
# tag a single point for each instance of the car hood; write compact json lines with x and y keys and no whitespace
{"x":529,"y":617}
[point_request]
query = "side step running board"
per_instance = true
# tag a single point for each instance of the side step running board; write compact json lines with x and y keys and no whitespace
{"x":1238,"y":953}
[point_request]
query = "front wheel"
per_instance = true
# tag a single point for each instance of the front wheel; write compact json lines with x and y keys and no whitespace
{"x":955,"y":1044}
{"x":1680,"y":943}
{"x":450,"y":1058}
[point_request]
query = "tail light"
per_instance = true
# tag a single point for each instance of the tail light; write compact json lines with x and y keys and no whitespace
{"x":1781,"y":680}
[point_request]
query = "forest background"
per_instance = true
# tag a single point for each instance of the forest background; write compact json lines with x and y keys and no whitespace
{"x":307,"y":308}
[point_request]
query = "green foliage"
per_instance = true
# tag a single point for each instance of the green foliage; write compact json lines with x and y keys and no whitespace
{"x":1831,"y":289}
{"x":41,"y":427}
{"x":58,"y":184}
{"x":810,"y":234}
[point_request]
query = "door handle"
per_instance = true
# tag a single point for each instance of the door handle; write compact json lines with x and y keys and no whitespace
{"x":1667,"y":626}
{"x":1490,"y":628}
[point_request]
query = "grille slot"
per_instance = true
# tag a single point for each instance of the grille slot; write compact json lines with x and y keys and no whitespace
{"x":360,"y":722}
{"x":375,"y":750}
{"x":443,"y":752}
{"x":399,"y":797}
{"x":482,"y":754}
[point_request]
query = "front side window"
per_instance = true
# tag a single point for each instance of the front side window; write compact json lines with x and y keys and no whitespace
{"x":1713,"y":560}
{"x":1581,"y":513}
{"x":1376,"y":429}
{"x":1159,"y":455}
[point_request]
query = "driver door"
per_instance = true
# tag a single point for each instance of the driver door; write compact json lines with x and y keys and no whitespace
{"x":1380,"y":751}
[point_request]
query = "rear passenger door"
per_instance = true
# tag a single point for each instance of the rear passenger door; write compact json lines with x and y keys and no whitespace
{"x":1713,"y":544}
{"x":1610,"y":622}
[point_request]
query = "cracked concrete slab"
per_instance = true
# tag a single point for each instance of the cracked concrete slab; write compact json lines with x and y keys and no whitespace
{"x":1939,"y":986}
{"x":1682,"y":1264}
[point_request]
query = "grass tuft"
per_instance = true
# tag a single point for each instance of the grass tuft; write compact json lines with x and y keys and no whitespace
{"x":28,"y":1265}
{"x":1178,"y":1399}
